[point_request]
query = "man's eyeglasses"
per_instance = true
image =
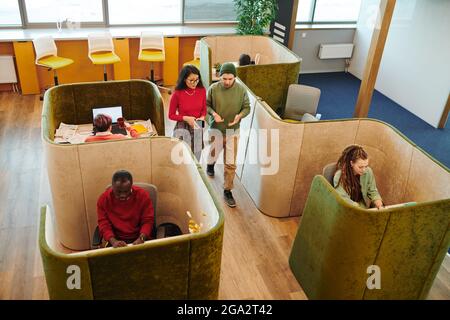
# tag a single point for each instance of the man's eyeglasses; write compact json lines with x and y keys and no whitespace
{"x":193,"y":81}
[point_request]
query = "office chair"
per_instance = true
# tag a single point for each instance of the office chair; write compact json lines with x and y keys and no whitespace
{"x":101,"y":50}
{"x":152,"y":192}
{"x":151,"y":49}
{"x":328,"y":172}
{"x":196,"y":61}
{"x":301,"y":100}
{"x":47,"y":56}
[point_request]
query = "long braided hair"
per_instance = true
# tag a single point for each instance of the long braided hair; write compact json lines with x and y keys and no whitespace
{"x":350,"y":181}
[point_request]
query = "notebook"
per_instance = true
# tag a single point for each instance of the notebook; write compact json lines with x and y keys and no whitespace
{"x":115,"y":113}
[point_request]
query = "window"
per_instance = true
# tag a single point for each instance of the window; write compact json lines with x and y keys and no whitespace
{"x":91,"y":13}
{"x":10,"y":13}
{"x":144,"y":11}
{"x":46,"y":11}
{"x":323,"y":11}
{"x":209,"y":10}
{"x":305,"y":10}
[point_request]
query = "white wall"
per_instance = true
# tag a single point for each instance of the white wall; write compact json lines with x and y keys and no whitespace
{"x":307,"y":43}
{"x":415,"y":68}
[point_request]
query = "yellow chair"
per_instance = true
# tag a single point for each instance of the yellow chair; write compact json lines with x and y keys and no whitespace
{"x":196,"y":61}
{"x":101,"y":50}
{"x":47,"y":55}
{"x":151,"y":49}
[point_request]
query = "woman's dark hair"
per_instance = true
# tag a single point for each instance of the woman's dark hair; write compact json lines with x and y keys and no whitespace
{"x":350,"y":181}
{"x":102,"y":122}
{"x":186,"y":72}
{"x":244,"y":60}
{"x":122,"y":176}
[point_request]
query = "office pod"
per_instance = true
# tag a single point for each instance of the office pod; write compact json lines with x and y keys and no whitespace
{"x":185,"y":266}
{"x":344,"y":252}
{"x":279,"y":183}
{"x":277,"y":67}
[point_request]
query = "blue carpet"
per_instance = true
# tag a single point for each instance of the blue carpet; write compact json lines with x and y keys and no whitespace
{"x":338,"y":98}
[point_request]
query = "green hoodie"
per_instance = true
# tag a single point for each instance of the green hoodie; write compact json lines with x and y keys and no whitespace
{"x":227,"y":103}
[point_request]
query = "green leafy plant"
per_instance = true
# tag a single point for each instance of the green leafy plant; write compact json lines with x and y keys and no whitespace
{"x":255,"y":16}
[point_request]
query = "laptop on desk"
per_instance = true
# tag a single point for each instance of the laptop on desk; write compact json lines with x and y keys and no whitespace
{"x":114,"y":113}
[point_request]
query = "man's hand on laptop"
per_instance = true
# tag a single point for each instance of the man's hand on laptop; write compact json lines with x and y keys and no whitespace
{"x":117,"y":243}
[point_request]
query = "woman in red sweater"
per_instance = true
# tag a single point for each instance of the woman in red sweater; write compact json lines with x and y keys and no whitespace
{"x":187,"y":105}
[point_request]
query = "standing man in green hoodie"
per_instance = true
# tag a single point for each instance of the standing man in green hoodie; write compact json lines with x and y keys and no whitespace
{"x":227,"y":103}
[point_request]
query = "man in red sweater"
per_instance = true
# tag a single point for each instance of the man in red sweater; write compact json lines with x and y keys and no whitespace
{"x":125,"y":212}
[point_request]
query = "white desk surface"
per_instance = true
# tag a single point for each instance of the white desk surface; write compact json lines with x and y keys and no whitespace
{"x":117,"y":32}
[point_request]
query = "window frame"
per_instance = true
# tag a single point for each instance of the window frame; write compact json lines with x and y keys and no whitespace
{"x":105,"y":23}
{"x":108,"y":24}
{"x":40,"y":25}
{"x":313,"y":13}
{"x":198,"y":22}
{"x":15,"y":26}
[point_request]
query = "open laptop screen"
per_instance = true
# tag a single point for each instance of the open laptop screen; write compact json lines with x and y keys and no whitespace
{"x":113,"y":112}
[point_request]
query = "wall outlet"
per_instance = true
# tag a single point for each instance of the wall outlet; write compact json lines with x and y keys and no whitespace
{"x":303,"y":34}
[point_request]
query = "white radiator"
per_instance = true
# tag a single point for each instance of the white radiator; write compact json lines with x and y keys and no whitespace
{"x":7,"y":70}
{"x":335,"y":51}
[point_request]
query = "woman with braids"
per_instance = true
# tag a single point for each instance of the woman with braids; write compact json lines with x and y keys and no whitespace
{"x":354,"y":180}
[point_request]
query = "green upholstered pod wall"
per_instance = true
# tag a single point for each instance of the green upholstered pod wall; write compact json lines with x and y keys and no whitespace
{"x":336,"y":243}
{"x":56,"y":267}
{"x":270,"y":82}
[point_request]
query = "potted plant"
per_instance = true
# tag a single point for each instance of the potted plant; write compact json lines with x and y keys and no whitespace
{"x":217,"y":66}
{"x":255,"y":16}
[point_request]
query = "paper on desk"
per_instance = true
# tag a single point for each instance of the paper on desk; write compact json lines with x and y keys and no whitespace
{"x":66,"y":131}
{"x":77,"y":138}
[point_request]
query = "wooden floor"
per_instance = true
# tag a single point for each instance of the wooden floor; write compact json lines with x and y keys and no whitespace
{"x":255,"y":251}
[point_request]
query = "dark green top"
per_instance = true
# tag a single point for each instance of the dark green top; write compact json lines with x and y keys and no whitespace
{"x":227,"y":103}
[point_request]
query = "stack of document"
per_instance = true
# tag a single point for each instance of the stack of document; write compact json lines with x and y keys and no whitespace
{"x":65,"y":132}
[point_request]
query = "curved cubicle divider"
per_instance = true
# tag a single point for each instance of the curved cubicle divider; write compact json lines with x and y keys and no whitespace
{"x":404,"y":172}
{"x":339,"y":246}
{"x":336,"y":242}
{"x":181,"y":267}
{"x":278,"y":67}
{"x":69,"y":164}
{"x":279,"y":184}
